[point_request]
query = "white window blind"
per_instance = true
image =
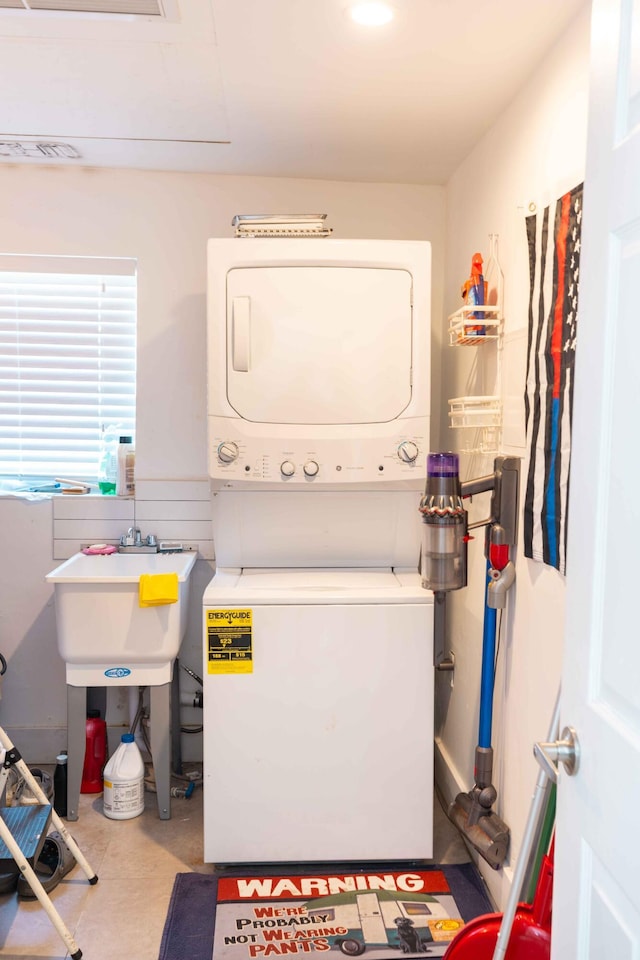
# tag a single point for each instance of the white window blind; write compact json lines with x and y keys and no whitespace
{"x":67,"y":362}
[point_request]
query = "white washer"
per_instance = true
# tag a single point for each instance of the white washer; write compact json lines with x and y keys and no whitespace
{"x":318,"y":637}
{"x":324,"y":751}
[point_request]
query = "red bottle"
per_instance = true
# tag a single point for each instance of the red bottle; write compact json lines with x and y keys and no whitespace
{"x":95,"y":753}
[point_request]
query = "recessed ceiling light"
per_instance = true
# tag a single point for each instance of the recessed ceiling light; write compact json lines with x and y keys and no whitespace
{"x":372,"y":13}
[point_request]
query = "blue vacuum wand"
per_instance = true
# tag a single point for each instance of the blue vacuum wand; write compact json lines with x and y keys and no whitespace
{"x":444,"y":568}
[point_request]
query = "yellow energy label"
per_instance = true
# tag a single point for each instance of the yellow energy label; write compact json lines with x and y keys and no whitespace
{"x":229,"y":641}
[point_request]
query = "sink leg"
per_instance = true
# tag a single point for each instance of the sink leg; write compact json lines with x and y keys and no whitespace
{"x":160,"y":703}
{"x":76,"y":743}
{"x":176,"y":744}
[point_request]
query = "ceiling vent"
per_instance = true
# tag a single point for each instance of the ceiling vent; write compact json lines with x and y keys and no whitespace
{"x":56,"y":151}
{"x":136,"y":8}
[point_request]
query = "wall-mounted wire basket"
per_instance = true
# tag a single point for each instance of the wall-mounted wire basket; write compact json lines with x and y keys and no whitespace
{"x":463,"y":328}
{"x":475,"y":412}
{"x":484,"y":441}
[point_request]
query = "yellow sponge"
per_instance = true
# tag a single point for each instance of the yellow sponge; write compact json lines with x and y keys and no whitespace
{"x":158,"y":588}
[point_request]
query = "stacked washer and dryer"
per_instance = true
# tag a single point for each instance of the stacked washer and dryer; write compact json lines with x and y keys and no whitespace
{"x":318,"y":636}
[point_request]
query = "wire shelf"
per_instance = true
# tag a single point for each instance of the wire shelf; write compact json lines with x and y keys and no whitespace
{"x":461,"y":333}
{"x":475,"y":412}
{"x":484,"y":441}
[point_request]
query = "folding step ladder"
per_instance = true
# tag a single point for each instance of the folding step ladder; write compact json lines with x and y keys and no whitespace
{"x":23,"y":830}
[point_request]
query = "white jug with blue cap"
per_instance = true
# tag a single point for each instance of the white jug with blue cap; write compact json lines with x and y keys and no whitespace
{"x":123,"y":796}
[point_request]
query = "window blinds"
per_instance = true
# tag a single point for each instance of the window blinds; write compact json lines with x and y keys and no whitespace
{"x":67,"y":362}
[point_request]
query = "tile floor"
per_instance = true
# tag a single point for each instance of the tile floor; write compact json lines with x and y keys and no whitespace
{"x":136,"y":861}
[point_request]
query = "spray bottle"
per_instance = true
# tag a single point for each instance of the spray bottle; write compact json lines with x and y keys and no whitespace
{"x":474,"y":293}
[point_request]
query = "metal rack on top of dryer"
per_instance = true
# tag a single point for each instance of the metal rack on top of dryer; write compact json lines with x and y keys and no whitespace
{"x":480,"y":416}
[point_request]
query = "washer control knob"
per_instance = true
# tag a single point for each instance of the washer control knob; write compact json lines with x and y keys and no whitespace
{"x":311,"y":468}
{"x":228,"y":451}
{"x":287,"y":469}
{"x":408,"y":451}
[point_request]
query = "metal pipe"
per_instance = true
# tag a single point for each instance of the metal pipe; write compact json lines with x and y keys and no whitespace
{"x":479,"y":523}
{"x":479,"y":485}
{"x":439,"y":626}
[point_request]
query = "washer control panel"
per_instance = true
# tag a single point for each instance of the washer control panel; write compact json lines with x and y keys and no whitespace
{"x":235,"y":459}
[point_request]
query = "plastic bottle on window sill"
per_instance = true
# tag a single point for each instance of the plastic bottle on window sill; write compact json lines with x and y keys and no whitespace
{"x":108,"y":464}
{"x":125,"y":485}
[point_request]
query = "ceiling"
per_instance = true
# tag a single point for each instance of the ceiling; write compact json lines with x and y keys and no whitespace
{"x":289,"y":88}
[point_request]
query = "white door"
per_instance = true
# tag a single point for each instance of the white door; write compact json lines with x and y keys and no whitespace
{"x":596,"y":910}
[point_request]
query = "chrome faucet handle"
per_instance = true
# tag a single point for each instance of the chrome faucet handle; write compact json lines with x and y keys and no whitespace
{"x":152,"y":540}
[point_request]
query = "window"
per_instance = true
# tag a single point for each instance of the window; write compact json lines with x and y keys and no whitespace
{"x":67,"y":362}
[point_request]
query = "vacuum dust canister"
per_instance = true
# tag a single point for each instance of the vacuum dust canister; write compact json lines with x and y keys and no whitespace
{"x":444,"y":526}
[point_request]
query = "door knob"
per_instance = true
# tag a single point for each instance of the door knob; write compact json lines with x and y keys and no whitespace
{"x":565,"y":751}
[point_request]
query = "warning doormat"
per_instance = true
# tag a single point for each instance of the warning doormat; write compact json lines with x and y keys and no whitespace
{"x":379,"y":913}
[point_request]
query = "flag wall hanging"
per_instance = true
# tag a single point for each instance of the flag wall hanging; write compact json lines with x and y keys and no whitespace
{"x":554,"y":269}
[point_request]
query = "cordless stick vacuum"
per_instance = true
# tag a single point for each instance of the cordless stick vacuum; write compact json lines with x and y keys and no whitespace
{"x":444,"y":568}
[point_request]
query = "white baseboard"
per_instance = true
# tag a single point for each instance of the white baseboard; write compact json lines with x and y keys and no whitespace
{"x":449,"y":781}
{"x":449,"y":784}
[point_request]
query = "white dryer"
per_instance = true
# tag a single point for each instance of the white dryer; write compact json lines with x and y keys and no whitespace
{"x":318,"y":637}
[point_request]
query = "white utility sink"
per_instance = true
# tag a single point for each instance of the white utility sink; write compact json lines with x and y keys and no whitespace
{"x":104,"y":636}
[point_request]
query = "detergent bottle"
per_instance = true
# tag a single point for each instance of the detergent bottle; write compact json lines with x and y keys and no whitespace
{"x":474,"y":291}
{"x":95,"y":753}
{"x":126,"y":458}
{"x":123,"y":796}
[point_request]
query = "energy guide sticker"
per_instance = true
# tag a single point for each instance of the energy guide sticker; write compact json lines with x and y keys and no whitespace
{"x":229,"y":641}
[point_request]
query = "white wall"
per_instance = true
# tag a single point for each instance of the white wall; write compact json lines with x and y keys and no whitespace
{"x":164,"y":221}
{"x":532,"y":155}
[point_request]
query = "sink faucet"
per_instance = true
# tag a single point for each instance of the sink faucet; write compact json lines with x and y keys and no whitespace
{"x":132,"y":541}
{"x":131,"y":538}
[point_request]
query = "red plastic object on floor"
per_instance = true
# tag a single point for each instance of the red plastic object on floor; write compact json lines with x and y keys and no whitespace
{"x":95,"y":754}
{"x":530,"y":937}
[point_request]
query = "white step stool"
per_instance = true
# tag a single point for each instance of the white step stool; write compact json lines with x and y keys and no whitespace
{"x":23,"y":830}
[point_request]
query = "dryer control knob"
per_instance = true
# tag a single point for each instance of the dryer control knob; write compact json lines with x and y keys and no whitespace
{"x":228,"y":451}
{"x":311,"y":468}
{"x":287,"y":469}
{"x":408,"y":451}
